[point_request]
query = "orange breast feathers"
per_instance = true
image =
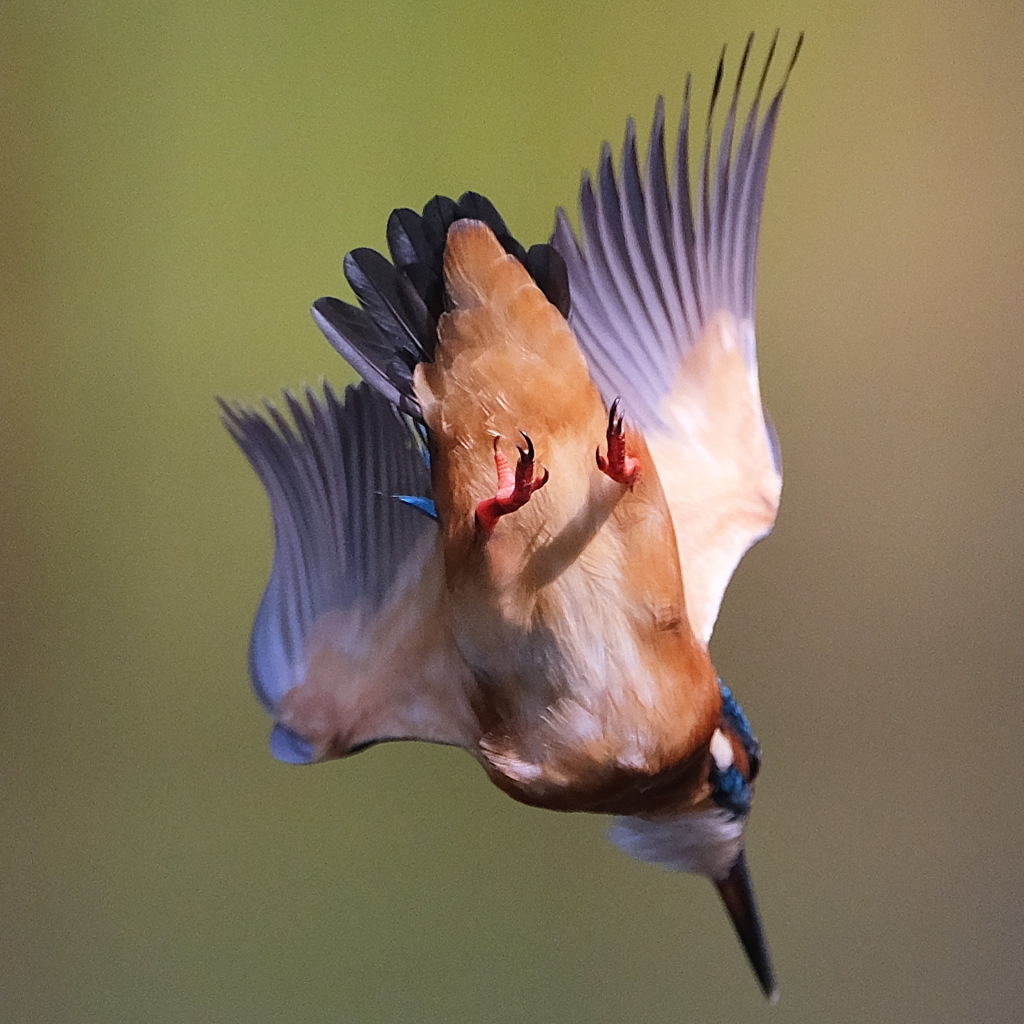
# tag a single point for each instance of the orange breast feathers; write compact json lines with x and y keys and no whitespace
{"x":570,"y":611}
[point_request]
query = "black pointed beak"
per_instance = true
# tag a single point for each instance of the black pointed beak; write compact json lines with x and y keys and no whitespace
{"x":738,"y":896}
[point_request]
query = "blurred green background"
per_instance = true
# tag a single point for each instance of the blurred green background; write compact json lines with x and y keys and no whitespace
{"x":179,"y":181}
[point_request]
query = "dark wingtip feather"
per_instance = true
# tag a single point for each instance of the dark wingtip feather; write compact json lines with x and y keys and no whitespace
{"x":716,"y":88}
{"x":792,"y":60}
{"x":768,"y":62}
{"x":743,"y":60}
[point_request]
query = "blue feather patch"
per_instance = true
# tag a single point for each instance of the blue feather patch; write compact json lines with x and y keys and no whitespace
{"x":733,"y":716}
{"x":729,"y":789}
{"x":289,"y":746}
{"x":424,"y":505}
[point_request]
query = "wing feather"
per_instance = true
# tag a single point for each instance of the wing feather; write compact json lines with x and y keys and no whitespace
{"x":351,"y":644}
{"x":663,"y":287}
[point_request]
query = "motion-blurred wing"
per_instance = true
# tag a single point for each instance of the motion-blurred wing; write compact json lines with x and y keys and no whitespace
{"x":663,"y":307}
{"x":351,"y":645}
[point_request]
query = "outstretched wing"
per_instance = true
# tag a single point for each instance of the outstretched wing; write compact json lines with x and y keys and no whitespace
{"x":663,"y":307}
{"x":351,"y":644}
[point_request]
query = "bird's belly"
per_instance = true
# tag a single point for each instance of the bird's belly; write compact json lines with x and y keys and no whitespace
{"x":577,"y":703}
{"x":571,"y":637}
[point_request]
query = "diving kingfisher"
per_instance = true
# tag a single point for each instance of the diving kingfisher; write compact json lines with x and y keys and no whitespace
{"x":513,"y":536}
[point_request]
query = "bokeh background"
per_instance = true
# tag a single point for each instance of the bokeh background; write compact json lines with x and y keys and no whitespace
{"x":179,"y":181}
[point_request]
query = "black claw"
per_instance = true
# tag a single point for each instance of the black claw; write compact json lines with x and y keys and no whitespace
{"x":614,"y":419}
{"x":527,"y":455}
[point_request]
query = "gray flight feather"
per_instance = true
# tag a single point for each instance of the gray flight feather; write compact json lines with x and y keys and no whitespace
{"x":341,"y":533}
{"x":655,"y":264}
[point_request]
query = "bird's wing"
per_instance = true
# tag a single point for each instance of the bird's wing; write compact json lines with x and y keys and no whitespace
{"x":351,"y":644}
{"x":662,"y":291}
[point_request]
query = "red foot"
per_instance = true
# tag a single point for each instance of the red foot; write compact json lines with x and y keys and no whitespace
{"x":622,"y":468}
{"x":514,"y":489}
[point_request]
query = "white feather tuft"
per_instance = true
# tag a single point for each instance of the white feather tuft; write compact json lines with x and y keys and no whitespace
{"x":705,"y":843}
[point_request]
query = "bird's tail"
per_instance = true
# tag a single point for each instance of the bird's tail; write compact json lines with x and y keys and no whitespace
{"x":394,"y":327}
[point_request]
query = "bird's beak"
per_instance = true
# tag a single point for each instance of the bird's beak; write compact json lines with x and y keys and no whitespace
{"x":738,"y":896}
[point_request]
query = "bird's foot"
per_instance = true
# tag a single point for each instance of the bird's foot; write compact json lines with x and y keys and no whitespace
{"x":622,"y":468}
{"x":514,"y":486}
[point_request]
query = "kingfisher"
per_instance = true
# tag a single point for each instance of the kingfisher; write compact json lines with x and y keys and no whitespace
{"x":514,"y":534}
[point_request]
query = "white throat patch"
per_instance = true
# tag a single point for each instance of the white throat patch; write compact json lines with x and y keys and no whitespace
{"x":706,"y":842}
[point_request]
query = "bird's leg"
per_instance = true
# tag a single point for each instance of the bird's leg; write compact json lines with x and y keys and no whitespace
{"x":514,"y":488}
{"x":622,"y":468}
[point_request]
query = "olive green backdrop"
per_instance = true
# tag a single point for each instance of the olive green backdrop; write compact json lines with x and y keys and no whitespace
{"x":179,"y":181}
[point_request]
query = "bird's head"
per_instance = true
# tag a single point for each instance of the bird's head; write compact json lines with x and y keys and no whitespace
{"x":708,"y":839}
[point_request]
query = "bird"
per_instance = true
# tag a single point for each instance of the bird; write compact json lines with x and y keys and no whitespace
{"x":514,"y":534}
